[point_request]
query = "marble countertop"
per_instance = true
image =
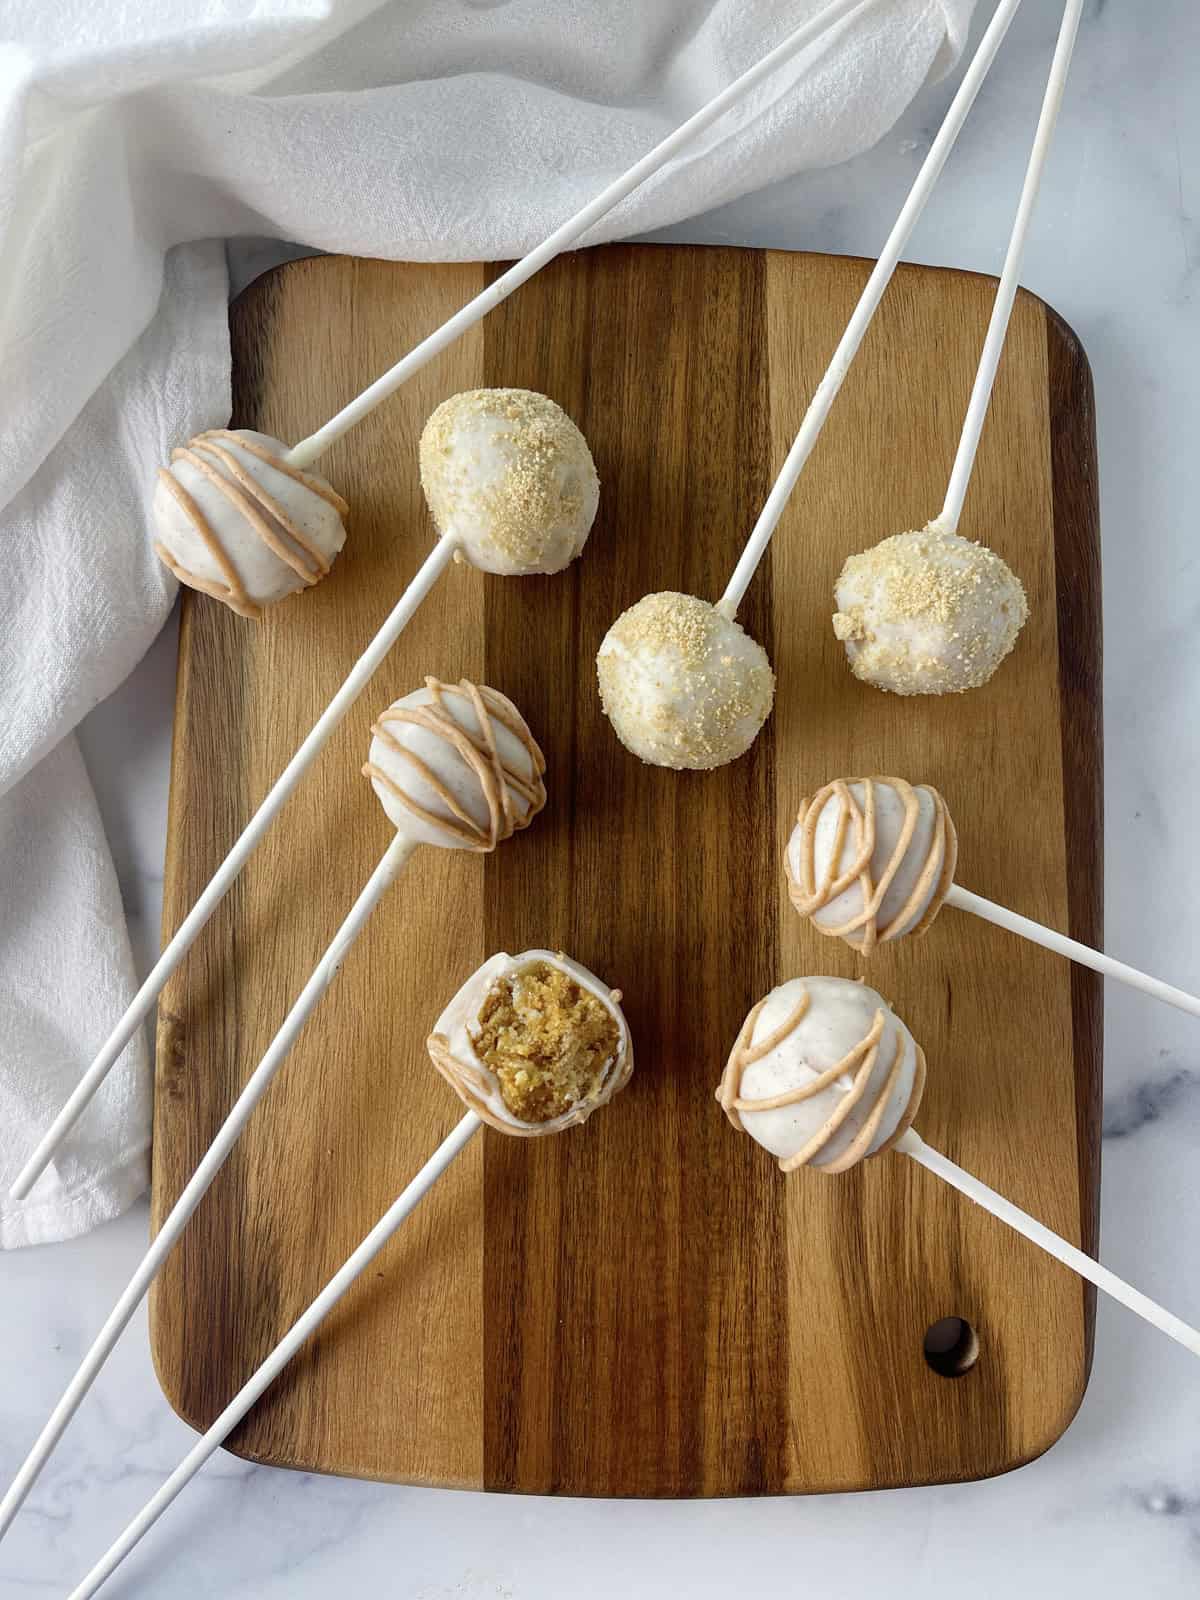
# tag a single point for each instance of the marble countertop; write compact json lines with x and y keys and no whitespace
{"x":1114,"y":1508}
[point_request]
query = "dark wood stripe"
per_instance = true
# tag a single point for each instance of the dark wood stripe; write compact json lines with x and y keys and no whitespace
{"x":1076,"y":489}
{"x":619,"y":1253}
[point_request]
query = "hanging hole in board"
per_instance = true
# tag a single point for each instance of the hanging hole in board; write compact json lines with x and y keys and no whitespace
{"x":951,"y":1346}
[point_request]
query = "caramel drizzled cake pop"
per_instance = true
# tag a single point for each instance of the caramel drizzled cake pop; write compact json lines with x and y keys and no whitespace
{"x":509,"y":475}
{"x":236,"y":521}
{"x":455,"y":765}
{"x":533,"y":1043}
{"x":683,"y":685}
{"x":825,"y":1074}
{"x":872,"y":859}
{"x":928,"y":612}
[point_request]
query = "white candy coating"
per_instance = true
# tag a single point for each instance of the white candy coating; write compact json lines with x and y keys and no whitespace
{"x":511,"y":476}
{"x":928,"y":612}
{"x":452,"y":1044}
{"x":234,"y":521}
{"x":819,"y":1024}
{"x":683,"y":685}
{"x":871,"y":859}
{"x":454,"y":765}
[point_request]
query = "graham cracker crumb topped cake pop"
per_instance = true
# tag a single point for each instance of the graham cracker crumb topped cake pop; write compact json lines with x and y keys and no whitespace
{"x":683,"y":685}
{"x":533,"y":1043}
{"x":508,"y":474}
{"x":928,"y":612}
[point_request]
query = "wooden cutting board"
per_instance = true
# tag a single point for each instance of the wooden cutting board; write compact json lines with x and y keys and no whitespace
{"x":645,"y":1306}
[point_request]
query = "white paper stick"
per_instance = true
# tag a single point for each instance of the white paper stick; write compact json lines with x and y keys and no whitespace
{"x":913,"y":1145}
{"x":1006,"y":292}
{"x":1026,"y":928}
{"x":283,"y":1352}
{"x":222,"y":880}
{"x":307,"y":451}
{"x":385,"y":874}
{"x":827,"y":390}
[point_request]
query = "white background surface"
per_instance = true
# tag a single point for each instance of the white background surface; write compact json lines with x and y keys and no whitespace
{"x":1114,"y":1509}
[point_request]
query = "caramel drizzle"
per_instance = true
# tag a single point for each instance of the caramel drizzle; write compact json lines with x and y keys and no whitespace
{"x":252,"y":500}
{"x":864,"y":930}
{"x":498,"y":782}
{"x":860,"y":1061}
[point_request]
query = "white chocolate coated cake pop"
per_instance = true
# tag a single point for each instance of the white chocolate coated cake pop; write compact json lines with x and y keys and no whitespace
{"x":455,"y":765}
{"x":927,"y":612}
{"x":823,"y":1074}
{"x":237,"y":522}
{"x":871,"y":859}
{"x":533,"y":1043}
{"x":683,"y":685}
{"x":508,"y":474}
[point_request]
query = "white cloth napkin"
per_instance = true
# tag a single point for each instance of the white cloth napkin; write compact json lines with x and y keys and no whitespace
{"x":426,"y":130}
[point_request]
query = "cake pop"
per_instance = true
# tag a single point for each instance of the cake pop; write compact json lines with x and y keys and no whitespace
{"x":649,"y":715}
{"x":928,"y":612}
{"x":509,"y":474}
{"x":825,"y":1074}
{"x":238,"y":522}
{"x":465,"y":773}
{"x":872,"y":859}
{"x":558,"y":1015}
{"x":533,"y":1043}
{"x":455,"y":766}
{"x":302,"y":456}
{"x":683,"y":685}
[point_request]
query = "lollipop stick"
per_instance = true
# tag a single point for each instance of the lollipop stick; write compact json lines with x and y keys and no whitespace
{"x":860,"y":321}
{"x":913,"y":1145}
{"x":385,"y":874}
{"x":1006,"y":291}
{"x":1071,"y":948}
{"x":307,"y":451}
{"x":283,"y":1352}
{"x":181,"y":942}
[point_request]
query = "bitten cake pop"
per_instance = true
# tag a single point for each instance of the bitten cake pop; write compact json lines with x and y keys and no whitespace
{"x":509,"y":474}
{"x":928,"y":613}
{"x":682,"y":685}
{"x":540,"y":1008}
{"x":236,"y":520}
{"x":533,"y":1043}
{"x":455,"y":767}
{"x":871,"y":859}
{"x":681,"y":682}
{"x":825,"y":1074}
